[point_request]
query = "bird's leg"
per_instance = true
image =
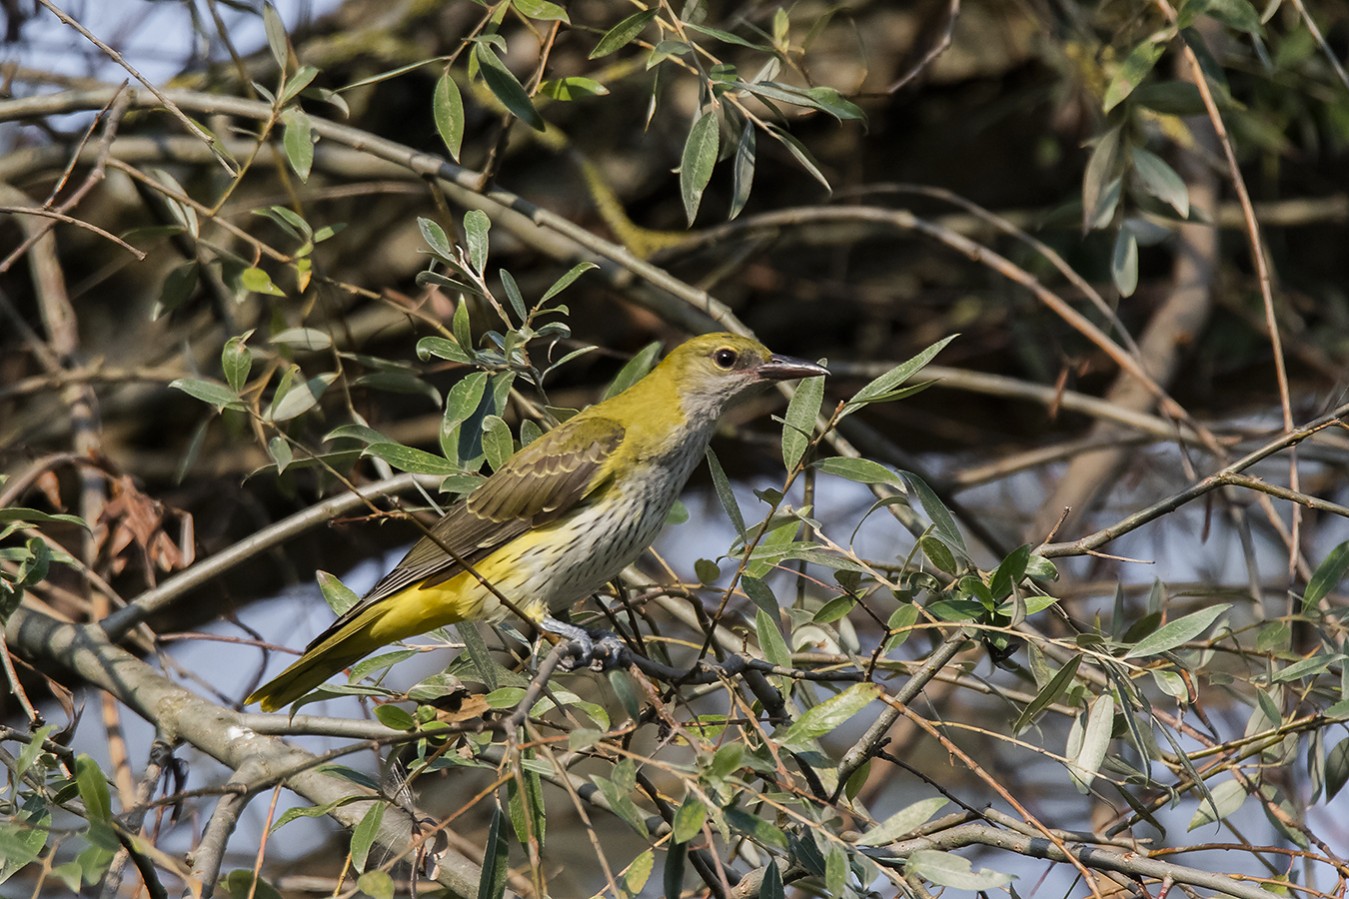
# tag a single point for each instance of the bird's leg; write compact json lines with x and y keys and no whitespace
{"x":599,"y":650}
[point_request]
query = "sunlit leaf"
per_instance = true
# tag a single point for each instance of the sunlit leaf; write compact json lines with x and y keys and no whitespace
{"x":699,"y":157}
{"x":447,"y":108}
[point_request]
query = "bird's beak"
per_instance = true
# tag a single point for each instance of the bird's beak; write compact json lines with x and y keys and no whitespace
{"x":782,"y":368}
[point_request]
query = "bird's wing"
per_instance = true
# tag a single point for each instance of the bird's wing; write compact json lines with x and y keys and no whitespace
{"x":540,"y":483}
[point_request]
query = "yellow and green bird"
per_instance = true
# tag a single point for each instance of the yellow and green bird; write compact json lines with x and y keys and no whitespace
{"x":560,"y":518}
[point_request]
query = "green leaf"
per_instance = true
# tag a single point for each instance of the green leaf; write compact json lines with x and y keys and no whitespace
{"x":210,"y":392}
{"x":1326,"y":578}
{"x":950,"y":870}
{"x":689,"y":818}
{"x":300,"y":398}
{"x":1134,"y":69}
{"x":497,"y":442}
{"x":727,"y":37}
{"x":943,"y":522}
{"x":476,"y":226}
{"x":406,"y":458}
{"x":364,"y":833}
{"x":881,"y":388}
{"x":1095,"y":741}
{"x":799,"y":422}
{"x":496,"y":859}
{"x":236,"y":361}
{"x":697,"y":162}
{"x":93,"y":787}
{"x":1238,"y":14}
{"x":447,"y":108}
{"x":572,"y":88}
{"x":513,"y":295}
{"x":772,"y":644}
{"x":863,"y":471}
{"x":758,"y":829}
{"x":298,"y":139}
{"x":256,"y":280}
{"x":721,"y":485}
{"x":309,"y":339}
{"x":242,"y":884}
{"x":394,"y":717}
{"x":1057,"y":686}
{"x":375,"y":884}
{"x":442,"y":348}
{"x":1337,"y":769}
{"x":828,"y":716}
{"x":1104,"y":169}
{"x":624,"y":33}
{"x":179,"y":285}
{"x":634,"y":369}
{"x":1124,"y":262}
{"x":1176,"y":633}
{"x":565,"y":281}
{"x":302,"y":78}
{"x":799,"y":151}
{"x":902,"y":822}
{"x":435,"y":238}
{"x":505,"y":87}
{"x":1180,"y":98}
{"x":276,"y":35}
{"x":336,"y":594}
{"x":1226,"y":798}
{"x":743,"y":170}
{"x":541,"y":10}
{"x":1160,"y":180}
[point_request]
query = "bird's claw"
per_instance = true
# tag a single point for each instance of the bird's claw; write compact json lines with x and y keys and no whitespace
{"x":596,"y":650}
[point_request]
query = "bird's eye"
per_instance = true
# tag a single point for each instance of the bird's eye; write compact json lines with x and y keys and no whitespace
{"x":725,"y":358}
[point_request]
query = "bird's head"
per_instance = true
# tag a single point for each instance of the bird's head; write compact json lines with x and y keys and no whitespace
{"x":714,"y":370}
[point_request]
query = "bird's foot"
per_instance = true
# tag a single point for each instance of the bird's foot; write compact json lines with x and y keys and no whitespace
{"x":597,"y":650}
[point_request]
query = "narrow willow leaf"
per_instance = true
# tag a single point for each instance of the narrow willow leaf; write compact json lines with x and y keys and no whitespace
{"x":624,"y":33}
{"x":772,"y":644}
{"x":93,"y":788}
{"x":504,"y":85}
{"x":721,"y":485}
{"x":179,"y":285}
{"x":541,"y":10}
{"x":634,"y":369}
{"x":883,"y":386}
{"x":1327,"y":577}
{"x":697,"y":161}
{"x":799,"y":422}
{"x":950,"y":870}
{"x":476,"y":226}
{"x":572,"y":88}
{"x":447,"y":108}
{"x":1176,"y":633}
{"x":1337,"y":769}
{"x":364,"y":833}
{"x":1049,"y":694}
{"x":302,"y":78}
{"x":565,"y":281}
{"x":863,"y":471}
{"x":217,"y":395}
{"x":1160,"y":180}
{"x":496,"y":859}
{"x":336,"y":594}
{"x":276,"y":35}
{"x":236,"y":361}
{"x":828,"y":715}
{"x":802,"y":155}
{"x":1228,"y":796}
{"x":1134,"y":69}
{"x":902,"y":822}
{"x":689,"y":818}
{"x":1104,"y":168}
{"x":407,"y":458}
{"x":298,"y":140}
{"x":943,"y":522}
{"x":497,"y":442}
{"x":743,"y":171}
{"x":309,"y":339}
{"x":301,"y":398}
{"x":1124,"y":262}
{"x":1095,"y":741}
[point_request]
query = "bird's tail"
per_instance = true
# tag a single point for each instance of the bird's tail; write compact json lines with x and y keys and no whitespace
{"x":349,"y":639}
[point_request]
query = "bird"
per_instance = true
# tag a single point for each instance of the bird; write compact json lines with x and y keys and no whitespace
{"x":559,"y":519}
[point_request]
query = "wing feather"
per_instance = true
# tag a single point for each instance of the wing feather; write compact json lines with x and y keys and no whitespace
{"x":542,"y":482}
